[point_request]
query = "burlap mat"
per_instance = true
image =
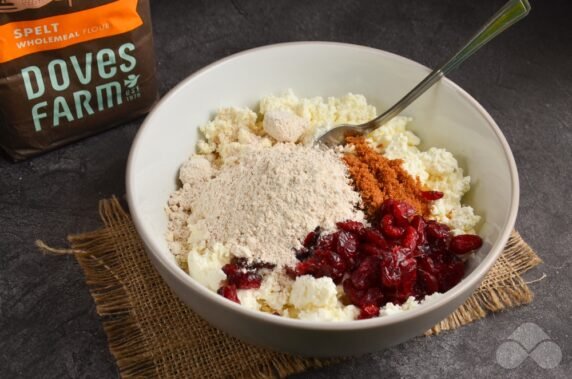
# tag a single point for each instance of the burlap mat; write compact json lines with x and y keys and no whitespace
{"x":152,"y":334}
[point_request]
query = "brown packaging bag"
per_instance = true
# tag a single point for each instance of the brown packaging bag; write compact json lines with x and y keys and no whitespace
{"x":71,"y":68}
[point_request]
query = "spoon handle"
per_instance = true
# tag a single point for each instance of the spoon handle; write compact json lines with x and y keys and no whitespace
{"x":509,"y":14}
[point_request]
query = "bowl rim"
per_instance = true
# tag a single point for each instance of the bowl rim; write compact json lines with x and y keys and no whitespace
{"x":472,"y":280}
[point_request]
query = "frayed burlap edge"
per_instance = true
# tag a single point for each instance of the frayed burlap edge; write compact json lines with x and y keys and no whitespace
{"x":95,"y":253}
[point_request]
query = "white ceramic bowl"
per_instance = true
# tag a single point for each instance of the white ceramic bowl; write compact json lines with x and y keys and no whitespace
{"x":446,"y":116}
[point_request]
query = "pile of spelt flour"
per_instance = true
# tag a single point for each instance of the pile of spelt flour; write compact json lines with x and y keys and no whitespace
{"x":261,"y":205}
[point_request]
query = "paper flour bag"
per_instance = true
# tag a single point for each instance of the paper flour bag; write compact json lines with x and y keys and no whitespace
{"x":71,"y":68}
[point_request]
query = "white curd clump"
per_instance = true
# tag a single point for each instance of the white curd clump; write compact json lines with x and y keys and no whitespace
{"x":392,"y":309}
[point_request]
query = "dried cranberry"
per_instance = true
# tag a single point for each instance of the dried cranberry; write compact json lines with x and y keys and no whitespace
{"x":242,"y":274}
{"x":438,"y":248}
{"x":242,"y":279}
{"x":387,"y":207}
{"x":362,"y":297}
{"x":437,"y":230}
{"x":322,"y":263}
{"x":376,"y":238}
{"x":419,"y":224}
{"x":429,"y":281}
{"x":390,"y":270}
{"x":402,"y":212}
{"x":431,"y":195}
{"x":308,"y":267}
{"x":408,"y":277}
{"x":410,"y":238}
{"x":450,"y":274}
{"x":388,"y":227}
{"x":367,"y":273}
{"x":427,"y":273}
{"x":229,"y":291}
{"x":465,"y":243}
{"x":230,"y":269}
{"x":373,"y":295}
{"x":353,"y":294}
{"x":334,"y":267}
{"x":354,"y":227}
{"x":368,"y":311}
{"x":347,"y":246}
{"x":398,"y":297}
{"x":312,"y":237}
{"x":421,"y":251}
{"x":328,"y":241}
{"x":258,"y":265}
{"x":402,"y":252}
{"x":370,"y":249}
{"x":303,"y":253}
{"x":249,"y":281}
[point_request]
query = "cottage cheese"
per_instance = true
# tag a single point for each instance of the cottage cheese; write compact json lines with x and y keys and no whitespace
{"x":392,"y":309}
{"x":317,"y":299}
{"x":231,"y":131}
{"x":205,"y":266}
{"x":305,"y":298}
{"x":321,"y":114}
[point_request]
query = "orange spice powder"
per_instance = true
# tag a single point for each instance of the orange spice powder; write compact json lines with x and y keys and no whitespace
{"x":378,"y":178}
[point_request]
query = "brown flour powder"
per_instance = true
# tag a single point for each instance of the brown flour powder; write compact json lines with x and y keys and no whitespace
{"x":262,"y":206}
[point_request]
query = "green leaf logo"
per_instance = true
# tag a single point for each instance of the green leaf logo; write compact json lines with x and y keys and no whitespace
{"x":131,"y":81}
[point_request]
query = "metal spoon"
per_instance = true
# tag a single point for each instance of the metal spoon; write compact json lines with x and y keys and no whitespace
{"x":508,"y":15}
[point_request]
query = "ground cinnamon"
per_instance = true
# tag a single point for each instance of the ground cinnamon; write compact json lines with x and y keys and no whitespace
{"x":378,"y":178}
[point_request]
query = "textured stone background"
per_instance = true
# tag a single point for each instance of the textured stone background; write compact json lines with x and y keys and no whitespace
{"x":48,"y":324}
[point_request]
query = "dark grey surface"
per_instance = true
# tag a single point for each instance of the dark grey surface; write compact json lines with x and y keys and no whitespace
{"x":48,"y":324}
